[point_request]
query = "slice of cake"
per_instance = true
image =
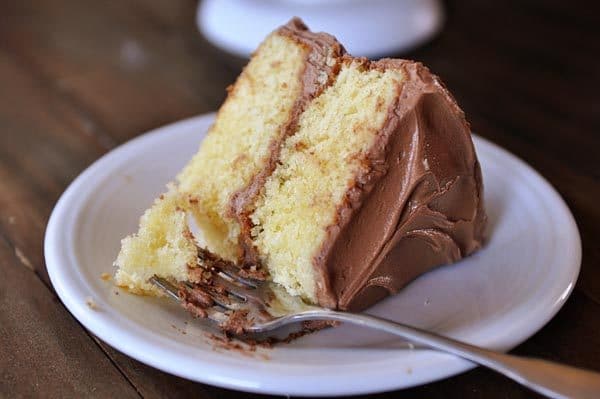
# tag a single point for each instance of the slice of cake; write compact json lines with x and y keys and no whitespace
{"x":342,"y":178}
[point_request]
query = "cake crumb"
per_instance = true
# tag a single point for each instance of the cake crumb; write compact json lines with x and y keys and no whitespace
{"x":12,"y":220}
{"x":250,"y":348}
{"x":410,"y":345}
{"x":105,"y":276}
{"x":89,"y":301}
{"x":179,"y":330}
{"x":409,"y":370}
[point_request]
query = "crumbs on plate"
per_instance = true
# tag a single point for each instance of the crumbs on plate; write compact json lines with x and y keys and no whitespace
{"x":89,"y":301}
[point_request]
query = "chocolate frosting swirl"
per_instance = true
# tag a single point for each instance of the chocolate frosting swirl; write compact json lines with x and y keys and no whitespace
{"x":419,"y":206}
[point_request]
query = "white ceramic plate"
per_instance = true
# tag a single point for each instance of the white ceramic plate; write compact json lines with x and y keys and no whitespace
{"x":497,"y":298}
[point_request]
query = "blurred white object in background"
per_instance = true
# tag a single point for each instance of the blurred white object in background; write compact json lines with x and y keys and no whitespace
{"x":366,"y":28}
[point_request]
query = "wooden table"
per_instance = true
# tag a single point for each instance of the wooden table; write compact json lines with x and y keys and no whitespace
{"x":79,"y":78}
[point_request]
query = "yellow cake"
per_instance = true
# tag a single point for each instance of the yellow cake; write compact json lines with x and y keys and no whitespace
{"x":343,"y":178}
{"x":163,"y":245}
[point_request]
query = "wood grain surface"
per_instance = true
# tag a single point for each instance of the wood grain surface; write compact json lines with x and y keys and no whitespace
{"x":78,"y":78}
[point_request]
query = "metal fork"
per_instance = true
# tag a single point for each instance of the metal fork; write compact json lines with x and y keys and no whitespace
{"x":270,"y":308}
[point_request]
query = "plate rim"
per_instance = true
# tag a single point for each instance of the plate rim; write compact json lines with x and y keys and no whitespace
{"x":55,"y":254}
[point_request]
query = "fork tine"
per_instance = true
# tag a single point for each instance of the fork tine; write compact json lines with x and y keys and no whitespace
{"x":233,"y":272}
{"x":223,"y":306}
{"x":222,"y":300}
{"x":213,"y":263}
{"x":213,"y":314}
{"x":241,"y":292}
{"x":169,"y":288}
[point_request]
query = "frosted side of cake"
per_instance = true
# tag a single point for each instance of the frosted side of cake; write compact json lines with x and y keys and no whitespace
{"x":419,"y":205}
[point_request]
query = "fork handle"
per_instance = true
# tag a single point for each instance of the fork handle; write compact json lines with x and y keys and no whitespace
{"x":548,"y":378}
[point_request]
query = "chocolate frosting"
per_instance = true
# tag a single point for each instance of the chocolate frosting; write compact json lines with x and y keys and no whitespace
{"x":419,"y":206}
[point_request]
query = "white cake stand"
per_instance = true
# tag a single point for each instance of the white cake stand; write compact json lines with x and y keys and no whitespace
{"x":366,"y":28}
